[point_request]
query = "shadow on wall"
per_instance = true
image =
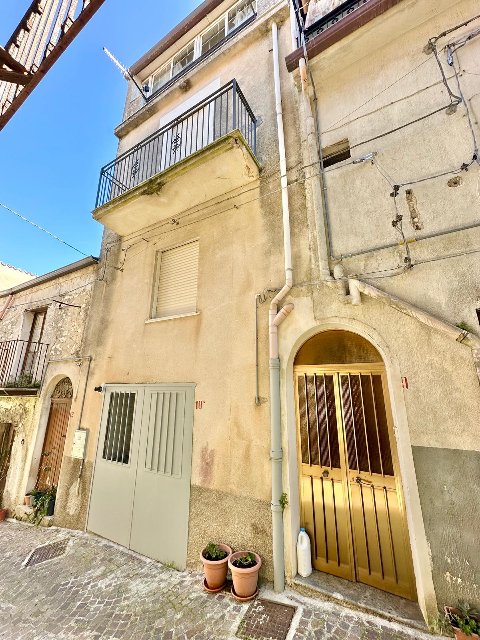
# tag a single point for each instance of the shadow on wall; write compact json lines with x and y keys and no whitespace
{"x":337,"y":347}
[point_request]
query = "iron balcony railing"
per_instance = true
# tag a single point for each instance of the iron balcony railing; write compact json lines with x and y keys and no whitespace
{"x":22,"y":363}
{"x":221,"y":112}
{"x":330,"y":19}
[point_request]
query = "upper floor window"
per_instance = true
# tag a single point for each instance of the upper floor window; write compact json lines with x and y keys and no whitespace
{"x":176,"y":281}
{"x":203,"y":43}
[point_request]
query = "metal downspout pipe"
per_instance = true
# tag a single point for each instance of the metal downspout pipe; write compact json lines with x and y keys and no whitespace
{"x":275,"y":318}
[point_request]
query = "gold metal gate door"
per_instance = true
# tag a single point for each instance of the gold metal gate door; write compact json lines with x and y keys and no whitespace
{"x":351,"y":497}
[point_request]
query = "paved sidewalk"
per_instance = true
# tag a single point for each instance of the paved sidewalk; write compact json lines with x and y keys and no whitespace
{"x":97,"y":590}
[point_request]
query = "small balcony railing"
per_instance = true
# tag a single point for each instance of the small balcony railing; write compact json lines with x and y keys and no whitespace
{"x":218,"y":114}
{"x":316,"y":26}
{"x":22,"y":364}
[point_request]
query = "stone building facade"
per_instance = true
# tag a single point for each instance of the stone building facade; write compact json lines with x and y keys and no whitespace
{"x":42,"y":360}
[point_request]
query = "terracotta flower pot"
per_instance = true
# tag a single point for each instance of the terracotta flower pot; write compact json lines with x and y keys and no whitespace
{"x":450,"y":614}
{"x":28,"y":500}
{"x":3,"y":514}
{"x":459,"y":635}
{"x":216,"y":570}
{"x":244,"y":580}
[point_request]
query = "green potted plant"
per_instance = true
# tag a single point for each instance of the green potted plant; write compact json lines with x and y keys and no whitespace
{"x":215,"y":566}
{"x":44,"y":505}
{"x":244,"y":566}
{"x":465,"y":622}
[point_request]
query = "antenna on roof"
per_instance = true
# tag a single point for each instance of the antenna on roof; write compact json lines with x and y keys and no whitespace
{"x":124,"y":71}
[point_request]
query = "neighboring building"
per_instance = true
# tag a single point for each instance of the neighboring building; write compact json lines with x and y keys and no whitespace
{"x":397,"y":106}
{"x":218,"y":210}
{"x":11,"y":276}
{"x":43,"y":372}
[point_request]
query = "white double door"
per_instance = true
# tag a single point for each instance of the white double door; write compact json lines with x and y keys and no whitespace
{"x":141,"y":484}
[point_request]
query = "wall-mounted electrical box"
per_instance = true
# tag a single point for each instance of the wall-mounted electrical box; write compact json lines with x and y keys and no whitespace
{"x":79,"y":446}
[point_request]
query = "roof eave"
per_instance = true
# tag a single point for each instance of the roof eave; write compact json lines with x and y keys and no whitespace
{"x":52,"y":275}
{"x":177,"y":32}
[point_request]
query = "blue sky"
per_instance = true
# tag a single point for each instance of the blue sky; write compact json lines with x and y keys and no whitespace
{"x":52,"y":150}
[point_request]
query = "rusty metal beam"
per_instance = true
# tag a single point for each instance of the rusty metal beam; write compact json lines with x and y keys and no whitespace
{"x":14,"y":77}
{"x":10,"y":62}
{"x":69,"y":29}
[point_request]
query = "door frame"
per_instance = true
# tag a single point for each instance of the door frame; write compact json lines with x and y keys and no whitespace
{"x":357,"y":369}
{"x":289,"y":346}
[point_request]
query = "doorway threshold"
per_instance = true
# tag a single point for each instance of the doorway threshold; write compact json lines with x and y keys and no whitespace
{"x":361,"y":597}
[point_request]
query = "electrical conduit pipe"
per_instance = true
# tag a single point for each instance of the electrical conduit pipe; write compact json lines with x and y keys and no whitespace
{"x":313,"y":174}
{"x":356,"y":287}
{"x":275,"y":319}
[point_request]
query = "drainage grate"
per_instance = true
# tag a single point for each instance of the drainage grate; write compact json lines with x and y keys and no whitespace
{"x":266,"y":620}
{"x":46,"y":552}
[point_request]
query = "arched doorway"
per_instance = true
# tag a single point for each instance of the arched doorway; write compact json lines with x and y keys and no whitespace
{"x":350,"y":489}
{"x":55,"y":434}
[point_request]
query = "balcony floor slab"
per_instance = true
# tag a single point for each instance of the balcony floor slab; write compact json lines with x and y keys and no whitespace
{"x":225,"y":165}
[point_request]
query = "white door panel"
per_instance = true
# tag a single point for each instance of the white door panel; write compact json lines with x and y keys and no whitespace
{"x":162,"y":492}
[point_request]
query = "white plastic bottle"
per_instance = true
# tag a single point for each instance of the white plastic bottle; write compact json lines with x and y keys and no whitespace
{"x":304,"y":554}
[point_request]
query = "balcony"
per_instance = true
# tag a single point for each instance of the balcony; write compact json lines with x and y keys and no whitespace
{"x":320,"y":20}
{"x":22,"y":365}
{"x":205,"y":153}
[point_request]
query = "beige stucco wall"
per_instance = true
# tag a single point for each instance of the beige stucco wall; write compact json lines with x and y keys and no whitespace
{"x":64,"y":333}
{"x":440,"y":407}
{"x":240,"y":256}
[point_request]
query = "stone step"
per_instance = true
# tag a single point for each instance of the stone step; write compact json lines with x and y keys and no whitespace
{"x":22,"y":513}
{"x":360,"y":597}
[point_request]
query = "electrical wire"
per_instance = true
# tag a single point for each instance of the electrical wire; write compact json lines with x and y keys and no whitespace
{"x":37,"y":226}
{"x":469,"y":118}
{"x":452,"y":29}
{"x":403,"y":126}
{"x":332,"y":127}
{"x":32,"y":303}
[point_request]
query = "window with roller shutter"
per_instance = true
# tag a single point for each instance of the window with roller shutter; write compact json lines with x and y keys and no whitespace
{"x":176,"y":281}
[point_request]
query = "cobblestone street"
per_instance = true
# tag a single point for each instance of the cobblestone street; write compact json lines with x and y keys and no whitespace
{"x":97,"y":590}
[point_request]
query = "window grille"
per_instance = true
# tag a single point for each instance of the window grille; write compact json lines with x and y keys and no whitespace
{"x":118,"y":434}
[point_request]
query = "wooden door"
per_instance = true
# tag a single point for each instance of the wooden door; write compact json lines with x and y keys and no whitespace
{"x":54,"y":443}
{"x":352,"y":502}
{"x":6,"y":441}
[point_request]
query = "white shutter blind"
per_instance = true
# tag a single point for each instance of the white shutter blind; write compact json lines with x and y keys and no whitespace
{"x":177,"y":281}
